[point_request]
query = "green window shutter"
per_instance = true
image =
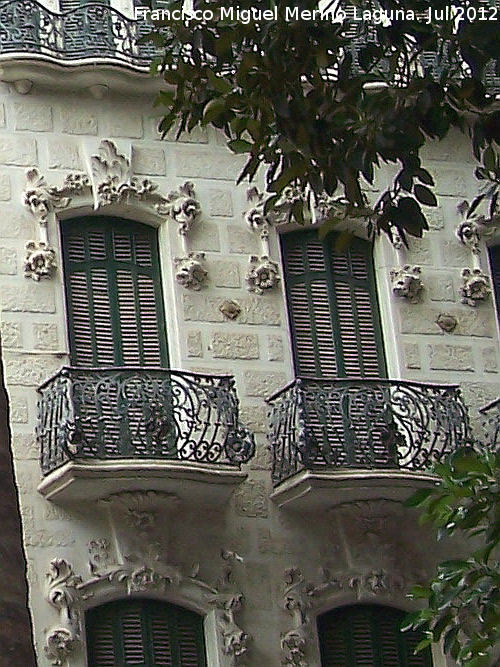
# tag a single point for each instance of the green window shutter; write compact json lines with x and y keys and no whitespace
{"x":144,"y":633}
{"x":113,"y":293}
{"x":332,"y":307}
{"x":494,"y":253}
{"x":368,"y":636}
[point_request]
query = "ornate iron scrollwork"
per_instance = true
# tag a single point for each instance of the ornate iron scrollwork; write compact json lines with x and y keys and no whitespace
{"x":388,"y":424}
{"x":140,"y":413}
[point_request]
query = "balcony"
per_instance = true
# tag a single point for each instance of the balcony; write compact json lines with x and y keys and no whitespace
{"x":106,"y":430}
{"x":38,"y":43}
{"x":336,"y":441}
{"x":491,"y":424}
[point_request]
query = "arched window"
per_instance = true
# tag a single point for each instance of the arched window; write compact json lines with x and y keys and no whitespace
{"x":144,"y":633}
{"x":368,"y":636}
{"x":332,"y":307}
{"x":113,"y":293}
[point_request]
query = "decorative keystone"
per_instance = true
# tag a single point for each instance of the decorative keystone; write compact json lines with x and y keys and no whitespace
{"x":190,"y":271}
{"x":40,"y":260}
{"x":263,"y":274}
{"x":475,"y":287}
{"x":406,"y":283}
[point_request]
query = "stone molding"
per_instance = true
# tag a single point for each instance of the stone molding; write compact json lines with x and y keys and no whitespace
{"x":407,"y":283}
{"x":111,"y":182}
{"x":70,"y":594}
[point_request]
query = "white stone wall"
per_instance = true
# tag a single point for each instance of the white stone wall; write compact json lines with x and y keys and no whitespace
{"x":58,"y":131}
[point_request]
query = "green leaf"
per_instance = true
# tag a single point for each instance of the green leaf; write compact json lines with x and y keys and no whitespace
{"x":424,"y":195}
{"x":418,"y":498}
{"x":213,"y":109}
{"x":489,"y":159}
{"x":240,"y":146}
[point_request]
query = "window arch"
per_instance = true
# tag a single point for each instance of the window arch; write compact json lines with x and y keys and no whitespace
{"x":368,"y":636}
{"x":332,"y":306}
{"x":113,"y":293}
{"x":144,"y":633}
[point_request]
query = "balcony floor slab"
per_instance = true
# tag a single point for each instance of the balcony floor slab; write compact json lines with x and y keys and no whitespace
{"x":192,"y":482}
{"x":310,"y":490}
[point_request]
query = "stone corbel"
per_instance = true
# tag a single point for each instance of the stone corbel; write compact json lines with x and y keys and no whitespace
{"x":407,"y":283}
{"x":475,"y":287}
{"x":263,"y":273}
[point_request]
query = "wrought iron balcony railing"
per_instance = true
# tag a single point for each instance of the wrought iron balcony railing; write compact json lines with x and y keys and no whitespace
{"x":89,"y":32}
{"x":384,"y":424}
{"x":491,"y":424}
{"x":117,"y":413}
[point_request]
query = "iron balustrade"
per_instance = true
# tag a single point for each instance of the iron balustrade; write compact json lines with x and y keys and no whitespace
{"x":323,"y":424}
{"x":91,"y":31}
{"x":117,"y":413}
{"x":490,"y":414}
{"x":97,"y":31}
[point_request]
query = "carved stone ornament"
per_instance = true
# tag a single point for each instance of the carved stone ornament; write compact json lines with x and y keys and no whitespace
{"x":396,"y":238}
{"x":190,"y":270}
{"x":112,"y":182}
{"x":407,"y":283}
{"x":296,"y":603}
{"x":229,"y":600}
{"x":183,"y":207}
{"x":446,"y":322}
{"x":263,"y":274}
{"x":279,"y":213}
{"x":230,"y":309}
{"x":475,"y":287}
{"x":68,"y":593}
{"x":40,"y":260}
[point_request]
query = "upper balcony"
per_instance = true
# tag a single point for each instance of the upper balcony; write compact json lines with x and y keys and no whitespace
{"x":36,"y":43}
{"x":336,"y":441}
{"x":106,"y":430}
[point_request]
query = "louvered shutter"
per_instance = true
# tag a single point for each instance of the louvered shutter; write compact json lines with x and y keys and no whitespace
{"x":494,"y":253}
{"x":332,"y":306}
{"x":113,"y":293}
{"x":368,"y":636}
{"x":144,"y":633}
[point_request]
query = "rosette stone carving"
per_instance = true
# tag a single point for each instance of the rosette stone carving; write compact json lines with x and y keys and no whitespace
{"x":190,"y":270}
{"x":475,"y":287}
{"x":263,"y":274}
{"x":40,"y":260}
{"x":407,"y":283}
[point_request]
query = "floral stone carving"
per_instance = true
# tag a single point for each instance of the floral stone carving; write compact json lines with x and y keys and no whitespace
{"x":183,"y":207}
{"x":190,"y":270}
{"x":42,"y":199}
{"x":296,"y":603}
{"x":475,"y":287}
{"x":229,"y":600}
{"x":40,"y":260}
{"x":141,"y":573}
{"x":263,"y":274}
{"x":406,"y":283}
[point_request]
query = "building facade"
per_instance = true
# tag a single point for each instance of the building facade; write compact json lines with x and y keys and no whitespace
{"x":215,"y":417}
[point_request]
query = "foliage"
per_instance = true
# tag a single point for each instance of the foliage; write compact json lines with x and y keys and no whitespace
{"x":463,"y":599}
{"x":322,"y":103}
